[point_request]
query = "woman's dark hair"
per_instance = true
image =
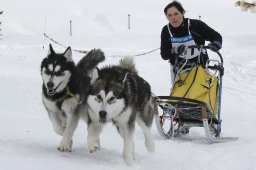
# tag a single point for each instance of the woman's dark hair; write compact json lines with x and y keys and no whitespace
{"x":175,"y":4}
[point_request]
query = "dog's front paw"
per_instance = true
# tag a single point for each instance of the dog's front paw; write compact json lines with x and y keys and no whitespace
{"x":93,"y":149}
{"x":150,"y":146}
{"x":65,"y":146}
{"x":128,"y":159}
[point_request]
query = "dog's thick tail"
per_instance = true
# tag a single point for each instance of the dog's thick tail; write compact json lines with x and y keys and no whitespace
{"x":91,"y":60}
{"x":128,"y":63}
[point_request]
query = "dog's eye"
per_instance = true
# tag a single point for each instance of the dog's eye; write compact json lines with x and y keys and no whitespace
{"x":59,"y":73}
{"x":99,"y":97}
{"x":111,"y":99}
{"x":47,"y":72}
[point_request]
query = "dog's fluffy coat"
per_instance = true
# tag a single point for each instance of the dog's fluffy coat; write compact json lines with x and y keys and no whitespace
{"x":245,"y":6}
{"x":65,"y":90}
{"x":120,"y":95}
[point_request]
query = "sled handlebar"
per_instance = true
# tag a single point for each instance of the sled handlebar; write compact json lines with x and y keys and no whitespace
{"x":206,"y":47}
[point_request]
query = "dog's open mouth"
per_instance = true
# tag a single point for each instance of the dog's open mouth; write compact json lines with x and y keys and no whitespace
{"x":52,"y":91}
{"x":103,"y":120}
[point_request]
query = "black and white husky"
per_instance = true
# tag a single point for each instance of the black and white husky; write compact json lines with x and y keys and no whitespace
{"x":65,"y":90}
{"x":121,"y":96}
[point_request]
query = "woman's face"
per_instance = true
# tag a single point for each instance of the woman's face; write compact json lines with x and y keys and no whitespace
{"x":174,"y":16}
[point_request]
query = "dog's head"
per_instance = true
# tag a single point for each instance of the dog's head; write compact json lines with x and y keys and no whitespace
{"x":107,"y":98}
{"x":56,"y":70}
{"x":238,"y":3}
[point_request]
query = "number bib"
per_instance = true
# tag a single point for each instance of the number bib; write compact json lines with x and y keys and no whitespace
{"x":185,"y":40}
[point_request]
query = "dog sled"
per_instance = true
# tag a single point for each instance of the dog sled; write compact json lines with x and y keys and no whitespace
{"x":195,"y":100}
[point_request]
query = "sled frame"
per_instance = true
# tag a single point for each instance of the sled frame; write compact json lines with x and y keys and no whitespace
{"x":178,"y":125}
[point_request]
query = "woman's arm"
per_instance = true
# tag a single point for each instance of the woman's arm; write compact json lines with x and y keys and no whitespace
{"x":166,"y":47}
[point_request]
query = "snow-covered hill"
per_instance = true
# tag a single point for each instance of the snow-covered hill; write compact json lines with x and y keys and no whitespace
{"x":27,"y":139}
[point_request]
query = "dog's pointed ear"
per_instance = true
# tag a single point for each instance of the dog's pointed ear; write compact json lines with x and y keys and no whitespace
{"x":94,"y":75}
{"x":68,"y":54}
{"x":50,"y":51}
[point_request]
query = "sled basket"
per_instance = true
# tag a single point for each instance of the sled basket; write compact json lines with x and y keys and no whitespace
{"x":187,"y":109}
{"x":195,"y":101}
{"x":199,"y":86}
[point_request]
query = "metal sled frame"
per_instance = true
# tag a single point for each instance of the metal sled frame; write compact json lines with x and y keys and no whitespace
{"x":180,"y":114}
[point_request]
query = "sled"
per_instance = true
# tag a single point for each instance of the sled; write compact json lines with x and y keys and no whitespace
{"x":195,"y":100}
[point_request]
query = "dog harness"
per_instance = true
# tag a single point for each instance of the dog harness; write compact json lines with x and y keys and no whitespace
{"x":185,"y":40}
{"x":69,"y":93}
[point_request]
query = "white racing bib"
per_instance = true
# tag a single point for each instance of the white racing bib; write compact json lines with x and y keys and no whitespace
{"x":187,"y":41}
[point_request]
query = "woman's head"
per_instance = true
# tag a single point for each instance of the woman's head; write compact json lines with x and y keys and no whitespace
{"x":174,"y":13}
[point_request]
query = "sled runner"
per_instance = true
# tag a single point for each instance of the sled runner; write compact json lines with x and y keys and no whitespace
{"x":195,"y":100}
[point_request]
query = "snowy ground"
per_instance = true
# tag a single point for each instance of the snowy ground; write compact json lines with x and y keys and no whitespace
{"x":27,"y":139}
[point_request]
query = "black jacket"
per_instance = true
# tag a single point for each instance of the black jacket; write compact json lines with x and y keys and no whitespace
{"x":200,"y":32}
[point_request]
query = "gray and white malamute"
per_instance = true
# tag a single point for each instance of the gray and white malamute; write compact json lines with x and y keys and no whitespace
{"x":65,"y":90}
{"x":121,"y":96}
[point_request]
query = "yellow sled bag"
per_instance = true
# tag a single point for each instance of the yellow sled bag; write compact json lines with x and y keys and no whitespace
{"x":199,"y":85}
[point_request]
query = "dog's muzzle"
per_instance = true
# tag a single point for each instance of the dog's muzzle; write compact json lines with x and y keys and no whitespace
{"x":103,"y":115}
{"x":50,"y":90}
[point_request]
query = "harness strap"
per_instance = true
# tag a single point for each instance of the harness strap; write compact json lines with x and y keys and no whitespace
{"x":69,"y":93}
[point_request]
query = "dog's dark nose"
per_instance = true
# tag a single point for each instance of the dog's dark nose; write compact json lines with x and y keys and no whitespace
{"x":103,"y":114}
{"x":50,"y":84}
